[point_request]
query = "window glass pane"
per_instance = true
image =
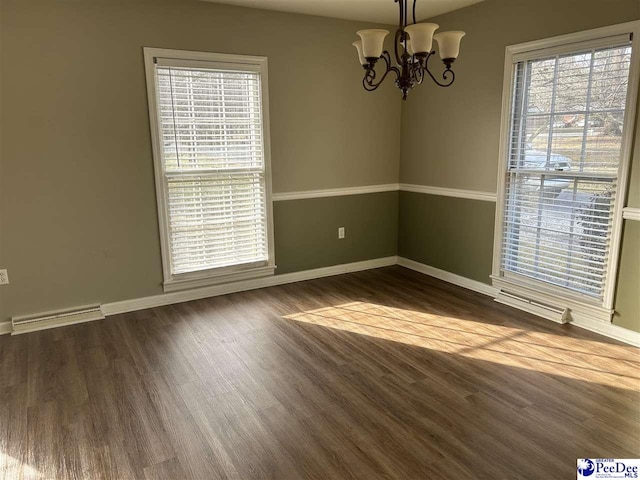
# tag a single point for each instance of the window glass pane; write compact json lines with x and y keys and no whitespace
{"x":610,"y":79}
{"x":539,"y":88}
{"x":572,"y":84}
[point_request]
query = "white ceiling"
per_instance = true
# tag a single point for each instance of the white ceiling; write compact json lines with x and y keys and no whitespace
{"x":380,"y":11}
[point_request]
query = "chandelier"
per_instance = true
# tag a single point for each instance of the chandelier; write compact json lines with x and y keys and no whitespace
{"x":412,"y":51}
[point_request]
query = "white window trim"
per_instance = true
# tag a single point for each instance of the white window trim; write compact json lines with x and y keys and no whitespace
{"x":579,"y":306}
{"x":217,"y":275}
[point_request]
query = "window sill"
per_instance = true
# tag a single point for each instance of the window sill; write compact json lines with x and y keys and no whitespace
{"x":579,"y":310}
{"x":217,"y":278}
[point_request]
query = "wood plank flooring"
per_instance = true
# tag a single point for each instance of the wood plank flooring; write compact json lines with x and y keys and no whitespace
{"x":384,"y":374}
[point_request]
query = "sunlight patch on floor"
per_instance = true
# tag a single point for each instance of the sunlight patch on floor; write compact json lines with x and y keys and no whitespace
{"x":11,"y":467}
{"x":584,"y":360}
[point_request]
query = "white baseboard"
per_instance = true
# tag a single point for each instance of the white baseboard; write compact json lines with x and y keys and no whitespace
{"x":609,"y":330}
{"x":459,"y":280}
{"x":169,"y":298}
{"x":5,"y":327}
{"x":215,"y":290}
{"x":114,"y":308}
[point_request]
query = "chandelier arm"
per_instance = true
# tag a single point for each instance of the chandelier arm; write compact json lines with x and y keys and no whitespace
{"x":370,"y":75}
{"x":419,"y":74}
{"x":370,"y":86}
{"x":414,"y":11}
{"x":396,"y":41}
{"x":447,"y":73}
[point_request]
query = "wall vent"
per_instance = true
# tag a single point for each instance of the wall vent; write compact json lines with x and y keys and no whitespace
{"x":59,"y":318}
{"x":550,"y":312}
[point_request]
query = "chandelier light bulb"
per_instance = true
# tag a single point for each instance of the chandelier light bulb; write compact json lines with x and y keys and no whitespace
{"x":372,"y":42}
{"x":361,"y":57}
{"x":409,"y":47}
{"x":421,"y":35}
{"x":449,"y":44}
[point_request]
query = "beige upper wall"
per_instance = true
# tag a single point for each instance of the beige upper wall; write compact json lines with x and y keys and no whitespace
{"x":450,"y":137}
{"x":326,"y":131}
{"x":77,"y":196}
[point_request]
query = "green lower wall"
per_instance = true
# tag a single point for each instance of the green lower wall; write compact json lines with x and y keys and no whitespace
{"x":306,"y":231}
{"x":453,"y":234}
{"x":627,"y":302}
{"x":306,"y":236}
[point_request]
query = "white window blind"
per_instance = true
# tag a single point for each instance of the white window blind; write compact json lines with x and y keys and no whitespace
{"x":213,"y":168}
{"x":566,"y":137}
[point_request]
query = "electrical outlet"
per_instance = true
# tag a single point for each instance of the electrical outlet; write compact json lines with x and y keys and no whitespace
{"x":4,"y":276}
{"x":340,"y":232}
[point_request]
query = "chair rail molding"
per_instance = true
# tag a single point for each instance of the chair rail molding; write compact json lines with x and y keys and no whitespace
{"x":334,"y":192}
{"x":387,"y":187}
{"x":449,"y":192}
{"x":631,"y":213}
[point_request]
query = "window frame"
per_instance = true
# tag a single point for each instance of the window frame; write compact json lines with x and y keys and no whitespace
{"x":579,"y":305}
{"x":186,"y":58}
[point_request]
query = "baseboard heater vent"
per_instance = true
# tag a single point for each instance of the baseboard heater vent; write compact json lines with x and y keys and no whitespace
{"x":555,"y":314}
{"x":59,"y":318}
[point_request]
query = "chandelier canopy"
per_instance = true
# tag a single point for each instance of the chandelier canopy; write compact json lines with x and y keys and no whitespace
{"x":412,"y":50}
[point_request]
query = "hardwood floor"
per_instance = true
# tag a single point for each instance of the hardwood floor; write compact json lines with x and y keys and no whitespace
{"x":381,"y":374}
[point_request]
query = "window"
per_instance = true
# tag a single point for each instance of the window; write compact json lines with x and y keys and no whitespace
{"x":565,"y":152}
{"x":209,"y":129}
